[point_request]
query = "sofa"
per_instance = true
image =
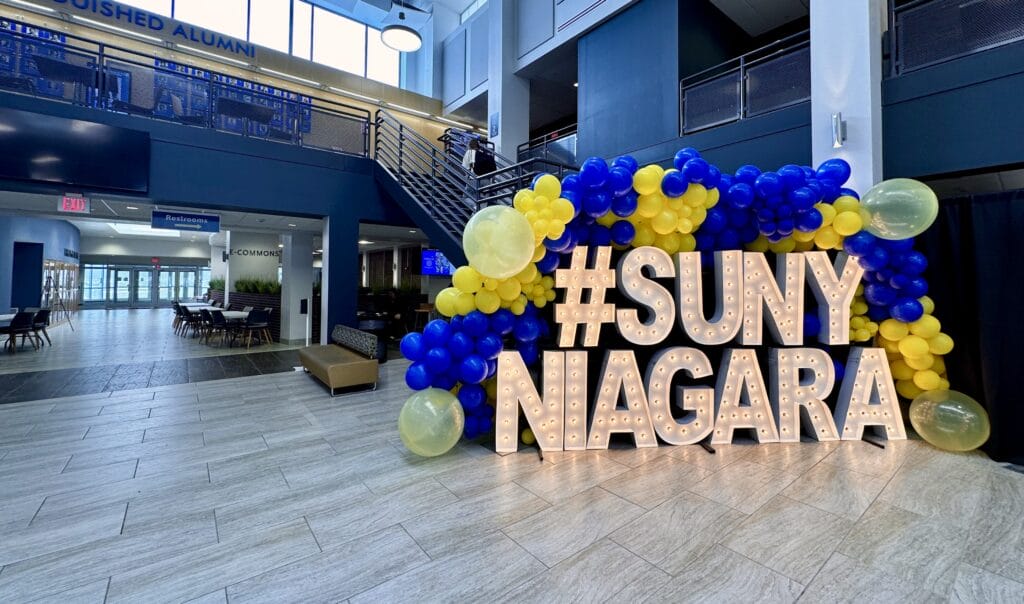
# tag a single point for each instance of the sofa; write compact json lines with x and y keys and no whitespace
{"x":351,"y":360}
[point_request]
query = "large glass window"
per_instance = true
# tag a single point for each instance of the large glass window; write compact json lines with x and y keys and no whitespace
{"x":94,"y":283}
{"x":381,"y":61}
{"x":339,"y":42}
{"x":302,"y":30}
{"x":268,"y":23}
{"x":157,"y":7}
{"x":225,"y":16}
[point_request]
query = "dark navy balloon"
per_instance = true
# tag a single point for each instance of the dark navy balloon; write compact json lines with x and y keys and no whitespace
{"x":812,"y":325}
{"x":600,"y":235}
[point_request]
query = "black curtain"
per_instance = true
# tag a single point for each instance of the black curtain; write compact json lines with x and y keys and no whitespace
{"x":976,"y":278}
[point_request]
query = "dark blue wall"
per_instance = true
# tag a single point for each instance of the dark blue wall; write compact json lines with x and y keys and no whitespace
{"x":54,"y":236}
{"x":27,"y":275}
{"x":212,"y":170}
{"x":629,"y":71}
{"x":956,"y":116}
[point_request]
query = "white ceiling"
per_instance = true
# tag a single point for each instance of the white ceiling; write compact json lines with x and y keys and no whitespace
{"x":759,"y":16}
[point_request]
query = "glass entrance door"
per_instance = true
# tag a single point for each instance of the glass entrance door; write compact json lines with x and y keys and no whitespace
{"x":176,"y":285}
{"x":119,"y":289}
{"x":142,"y":294}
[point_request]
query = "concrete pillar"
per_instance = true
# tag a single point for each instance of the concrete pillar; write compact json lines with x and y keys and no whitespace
{"x":508,"y":95}
{"x":296,"y":284}
{"x":846,"y":77}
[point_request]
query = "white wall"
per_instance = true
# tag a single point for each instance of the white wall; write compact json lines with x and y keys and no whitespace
{"x":253,"y":255}
{"x":218,"y":266}
{"x":104,"y":246}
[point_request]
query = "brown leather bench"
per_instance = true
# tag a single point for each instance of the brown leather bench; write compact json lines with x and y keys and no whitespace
{"x":350,"y":361}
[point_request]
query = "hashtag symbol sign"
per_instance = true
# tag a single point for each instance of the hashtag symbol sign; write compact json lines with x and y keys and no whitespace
{"x":574,"y":311}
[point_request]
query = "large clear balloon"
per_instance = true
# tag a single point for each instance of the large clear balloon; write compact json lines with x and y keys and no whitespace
{"x":431,"y":422}
{"x":498,"y":242}
{"x":899,"y":208}
{"x":950,"y":420}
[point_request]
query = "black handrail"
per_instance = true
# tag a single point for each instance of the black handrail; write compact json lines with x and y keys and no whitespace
{"x":545,"y":139}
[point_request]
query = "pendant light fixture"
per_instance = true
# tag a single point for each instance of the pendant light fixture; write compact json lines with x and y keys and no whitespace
{"x":400,"y":36}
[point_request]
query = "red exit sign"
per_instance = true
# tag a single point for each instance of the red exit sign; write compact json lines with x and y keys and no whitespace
{"x":73,"y":204}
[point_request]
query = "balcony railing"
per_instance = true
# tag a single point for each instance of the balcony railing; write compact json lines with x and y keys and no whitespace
{"x":82,"y":72}
{"x":772,"y":77}
{"x":929,"y":32}
{"x":558,"y":146}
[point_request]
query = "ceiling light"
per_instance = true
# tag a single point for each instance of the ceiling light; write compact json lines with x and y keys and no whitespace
{"x":401,"y":37}
{"x":280,"y":245}
{"x":214,"y":55}
{"x":141,"y":230}
{"x":318,"y":251}
{"x":453,"y":122}
{"x":365,"y":242}
{"x":575,"y":84}
{"x":355,"y":95}
{"x":131,"y":208}
{"x":412,"y":230}
{"x":45,"y":159}
{"x":32,"y":6}
{"x":408,"y":109}
{"x":290,"y":224}
{"x":119,"y":30}
{"x":291,"y":77}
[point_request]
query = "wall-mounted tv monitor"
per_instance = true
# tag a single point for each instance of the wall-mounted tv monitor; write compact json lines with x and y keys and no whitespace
{"x":435,"y":264}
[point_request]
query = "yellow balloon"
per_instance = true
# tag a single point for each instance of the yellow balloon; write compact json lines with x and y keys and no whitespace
{"x":465,"y":303}
{"x":847,"y":223}
{"x":908,"y":389}
{"x":687,"y":243}
{"x":950,"y":420}
{"x":828,"y":213}
{"x":538,"y":252}
{"x":647,"y":180}
{"x":927,"y":380}
{"x":939,"y":366}
{"x":922,"y":362}
{"x":670,"y":242}
{"x":913,"y":346}
{"x":431,"y":422}
{"x":826,"y":238}
{"x":490,"y":284}
{"x":846,"y":203}
{"x":927,"y":327}
{"x":523,"y":201}
{"x":650,"y":205}
{"x":607,"y":219}
{"x":802,"y":236}
{"x":857,"y":322}
{"x":527,"y":437}
{"x":487,"y":301}
{"x":528,"y":274}
{"x":548,"y":186}
{"x":902,"y":371}
{"x":555,"y":229}
{"x":697,"y":216}
{"x":782,"y":247}
{"x":758,"y":245}
{"x":928,"y":304}
{"x":859,"y":308}
{"x":644,"y":235}
{"x":542,"y":204}
{"x":445,"y":301}
{"x":695,"y":195}
{"x":890,"y":346}
{"x":467,"y":279}
{"x":940,"y":344}
{"x":562,"y":210}
{"x":665,"y":222}
{"x":894,"y":330}
{"x":498,"y":242}
{"x":713,"y":196}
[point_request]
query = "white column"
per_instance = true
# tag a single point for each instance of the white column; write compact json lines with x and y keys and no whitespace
{"x":846,"y":77}
{"x":508,"y":95}
{"x":296,"y":284}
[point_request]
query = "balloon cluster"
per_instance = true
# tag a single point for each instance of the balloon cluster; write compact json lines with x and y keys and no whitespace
{"x":862,"y":328}
{"x":465,"y":350}
{"x":893,"y":279}
{"x":915,"y":352}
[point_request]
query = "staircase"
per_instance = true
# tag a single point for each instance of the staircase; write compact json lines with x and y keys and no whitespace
{"x":434,"y":189}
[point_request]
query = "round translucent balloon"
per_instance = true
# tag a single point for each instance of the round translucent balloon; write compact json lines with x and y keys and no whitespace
{"x":498,"y":242}
{"x":950,"y":420}
{"x":431,"y":422}
{"x":899,"y":208}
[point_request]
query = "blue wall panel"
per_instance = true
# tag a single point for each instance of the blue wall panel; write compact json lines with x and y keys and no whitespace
{"x":55,"y":237}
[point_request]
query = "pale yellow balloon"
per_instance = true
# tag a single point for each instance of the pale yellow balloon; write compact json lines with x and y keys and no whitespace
{"x":528,"y":274}
{"x":846,"y":203}
{"x":928,"y":304}
{"x":927,"y":327}
{"x":498,"y":242}
{"x":914,"y":346}
{"x":940,"y":344}
{"x":894,"y":330}
{"x":950,"y":420}
{"x":784,"y":246}
{"x":431,"y":422}
{"x":922,"y":362}
{"x":490,"y":284}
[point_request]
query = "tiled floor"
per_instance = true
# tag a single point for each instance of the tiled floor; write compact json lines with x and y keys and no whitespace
{"x":115,"y":337}
{"x":266,"y":489}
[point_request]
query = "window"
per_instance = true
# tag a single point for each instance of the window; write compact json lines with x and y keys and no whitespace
{"x":339,"y":42}
{"x":157,"y":7}
{"x":94,"y":283}
{"x":228,"y":17}
{"x":471,"y":10}
{"x":268,"y":23}
{"x":302,"y":29}
{"x":381,"y":61}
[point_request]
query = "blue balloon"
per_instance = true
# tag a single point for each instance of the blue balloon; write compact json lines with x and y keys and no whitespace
{"x":879,"y":295}
{"x":785,"y":226}
{"x":878,"y":313}
{"x":548,"y":263}
{"x":502,"y":321}
{"x":417,"y":376}
{"x":705,"y":240}
{"x":527,"y":329}
{"x":808,"y":221}
{"x":849,"y":193}
{"x":775,"y":237}
{"x":829,"y":189}
{"x":623,"y":231}
{"x":627,"y":162}
{"x":593,"y":172}
{"x":460,"y":345}
{"x":455,"y":324}
{"x":725,"y":181}
{"x":812,"y":325}
{"x":715,"y":220}
{"x":768,"y":184}
{"x":600,"y":235}
{"x":683,"y":156}
{"x":573,"y":197}
{"x":444,"y":381}
{"x":898,"y":245}
{"x":695,"y":170}
{"x":876,"y":259}
{"x":907,"y":310}
{"x":597,"y":204}
{"x":741,"y":195}
{"x":673,"y":184}
{"x":475,"y":324}
{"x":624,"y":205}
{"x":570,"y":182}
{"x":486,"y":424}
{"x":912,"y":263}
{"x":620,"y":180}
{"x":489,"y":346}
{"x":859,"y":244}
{"x":472,"y":370}
{"x":436,"y":334}
{"x":840,"y":370}
{"x":438,"y":360}
{"x":802,"y":198}
{"x":471,"y":429}
{"x":529,"y":352}
{"x":765,"y":215}
{"x":472,"y":397}
{"x":835,"y":169}
{"x":492,"y":368}
{"x":729,"y":240}
{"x":412,"y":346}
{"x":713,"y":178}
{"x":561,"y":244}
{"x":915,"y":288}
{"x":792,"y":176}
{"x":747,"y":174}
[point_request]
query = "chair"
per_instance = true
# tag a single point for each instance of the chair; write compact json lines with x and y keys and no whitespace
{"x":246,"y":308}
{"x":14,"y":310}
{"x":189,"y":319}
{"x":257,"y":322}
{"x":21,"y":325}
{"x":218,"y":324}
{"x":39,"y":325}
{"x":205,"y":324}
{"x":177,"y":316}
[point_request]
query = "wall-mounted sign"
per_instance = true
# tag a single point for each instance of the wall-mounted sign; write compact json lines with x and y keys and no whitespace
{"x":71,"y":253}
{"x":183,"y":221}
{"x":74,"y":204}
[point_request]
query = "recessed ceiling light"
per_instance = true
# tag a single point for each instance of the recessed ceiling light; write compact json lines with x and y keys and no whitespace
{"x":280,"y":245}
{"x":365,"y":242}
{"x":318,"y":251}
{"x":412,"y":230}
{"x":45,"y":159}
{"x":144,"y":230}
{"x":290,"y":224}
{"x":575,"y":84}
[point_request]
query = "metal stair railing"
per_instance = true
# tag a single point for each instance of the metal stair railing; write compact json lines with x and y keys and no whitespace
{"x":500,"y":186}
{"x":456,"y":141}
